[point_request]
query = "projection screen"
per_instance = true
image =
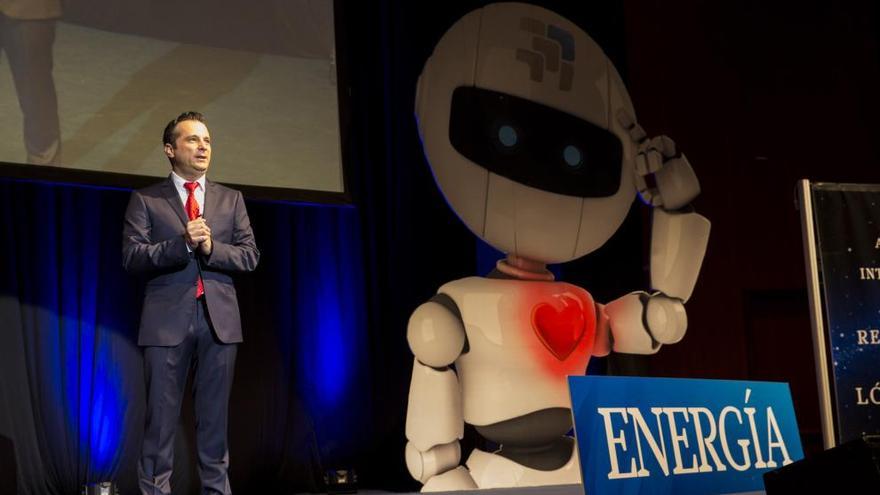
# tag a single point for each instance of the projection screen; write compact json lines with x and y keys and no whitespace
{"x":88,"y":85}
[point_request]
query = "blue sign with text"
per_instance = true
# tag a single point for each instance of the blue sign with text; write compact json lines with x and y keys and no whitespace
{"x":672,"y":436}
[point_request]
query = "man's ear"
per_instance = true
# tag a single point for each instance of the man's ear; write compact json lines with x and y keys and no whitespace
{"x":169,"y":150}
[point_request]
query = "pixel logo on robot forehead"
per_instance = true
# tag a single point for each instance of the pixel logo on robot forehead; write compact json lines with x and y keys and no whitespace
{"x":548,"y":48}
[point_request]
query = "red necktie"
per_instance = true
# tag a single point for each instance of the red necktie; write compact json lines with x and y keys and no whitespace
{"x":192,"y":211}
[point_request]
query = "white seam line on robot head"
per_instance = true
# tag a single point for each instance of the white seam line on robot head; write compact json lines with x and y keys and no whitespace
{"x":474,"y":83}
{"x":577,"y":237}
{"x":486,"y":205}
{"x":608,"y":96}
{"x":477,"y":51}
{"x":515,"y":223}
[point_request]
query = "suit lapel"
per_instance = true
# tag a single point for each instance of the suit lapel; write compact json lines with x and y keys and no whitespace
{"x":210,"y":202}
{"x":173,"y":198}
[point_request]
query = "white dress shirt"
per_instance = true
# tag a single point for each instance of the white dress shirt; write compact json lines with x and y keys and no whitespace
{"x":199,"y":193}
{"x":181,"y":190}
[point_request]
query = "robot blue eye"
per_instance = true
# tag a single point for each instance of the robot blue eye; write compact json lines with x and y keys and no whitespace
{"x":573,"y":156}
{"x":507,"y":135}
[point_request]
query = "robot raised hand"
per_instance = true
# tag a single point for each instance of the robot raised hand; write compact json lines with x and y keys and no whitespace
{"x":533,"y":141}
{"x":641,"y":322}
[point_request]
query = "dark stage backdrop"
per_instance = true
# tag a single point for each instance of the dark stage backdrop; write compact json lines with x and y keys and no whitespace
{"x":322,"y":378}
{"x":758,"y":94}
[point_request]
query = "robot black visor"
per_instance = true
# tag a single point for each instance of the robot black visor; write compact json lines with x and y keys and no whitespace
{"x":534,"y":144}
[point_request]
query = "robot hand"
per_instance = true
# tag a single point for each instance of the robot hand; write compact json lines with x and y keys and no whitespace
{"x":437,"y":468}
{"x":641,"y":322}
{"x":663,"y":178}
{"x":428,"y":464}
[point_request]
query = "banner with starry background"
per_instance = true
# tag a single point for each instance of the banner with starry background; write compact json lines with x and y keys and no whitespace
{"x":847,"y":220}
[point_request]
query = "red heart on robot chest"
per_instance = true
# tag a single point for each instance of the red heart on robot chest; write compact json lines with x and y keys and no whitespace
{"x":560,"y":326}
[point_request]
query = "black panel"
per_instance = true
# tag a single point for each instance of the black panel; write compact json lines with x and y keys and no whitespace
{"x":7,"y":467}
{"x":533,"y":144}
{"x":853,"y":467}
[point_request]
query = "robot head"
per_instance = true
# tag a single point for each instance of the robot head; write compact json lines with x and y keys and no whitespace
{"x":517,"y":111}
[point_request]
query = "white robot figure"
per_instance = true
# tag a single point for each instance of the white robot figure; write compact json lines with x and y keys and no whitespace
{"x":533,"y":140}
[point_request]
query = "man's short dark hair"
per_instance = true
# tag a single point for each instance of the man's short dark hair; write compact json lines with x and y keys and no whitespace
{"x":168,"y":136}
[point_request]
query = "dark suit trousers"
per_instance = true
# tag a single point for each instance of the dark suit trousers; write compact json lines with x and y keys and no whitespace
{"x":165,"y":370}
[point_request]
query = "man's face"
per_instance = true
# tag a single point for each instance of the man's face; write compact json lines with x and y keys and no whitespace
{"x":190,"y":153}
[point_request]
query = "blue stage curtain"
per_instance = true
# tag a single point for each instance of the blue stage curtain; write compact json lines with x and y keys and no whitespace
{"x":71,"y":381}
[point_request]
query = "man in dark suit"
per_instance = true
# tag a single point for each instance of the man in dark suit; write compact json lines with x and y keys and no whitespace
{"x":187,"y":236}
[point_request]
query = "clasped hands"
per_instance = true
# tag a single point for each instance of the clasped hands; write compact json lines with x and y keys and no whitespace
{"x":198,"y":236}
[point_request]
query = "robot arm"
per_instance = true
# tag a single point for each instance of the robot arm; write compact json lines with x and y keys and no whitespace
{"x":678,"y":246}
{"x":641,"y":322}
{"x":434,"y":421}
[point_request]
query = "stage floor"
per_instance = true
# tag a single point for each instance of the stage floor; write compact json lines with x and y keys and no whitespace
{"x":537,"y":490}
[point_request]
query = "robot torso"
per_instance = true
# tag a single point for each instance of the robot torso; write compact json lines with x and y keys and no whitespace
{"x":524,"y":338}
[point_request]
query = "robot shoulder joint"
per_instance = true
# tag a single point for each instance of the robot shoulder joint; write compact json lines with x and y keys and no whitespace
{"x":436,"y":333}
